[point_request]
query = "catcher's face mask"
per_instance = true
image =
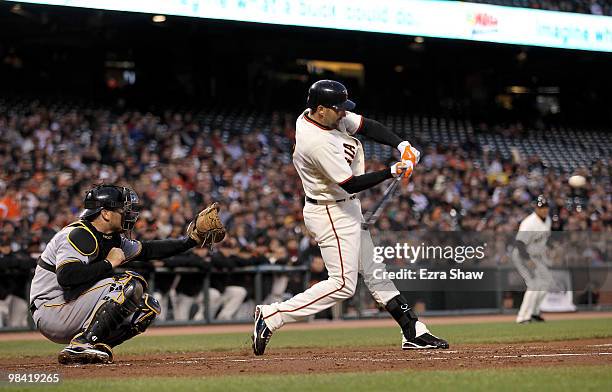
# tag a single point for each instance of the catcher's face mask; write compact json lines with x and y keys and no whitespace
{"x":130,"y":210}
{"x":121,"y":200}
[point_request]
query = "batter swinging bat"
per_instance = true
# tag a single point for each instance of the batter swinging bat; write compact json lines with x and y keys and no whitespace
{"x":373,"y":214}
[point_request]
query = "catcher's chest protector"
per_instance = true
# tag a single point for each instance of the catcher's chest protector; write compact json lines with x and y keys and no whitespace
{"x":90,"y":242}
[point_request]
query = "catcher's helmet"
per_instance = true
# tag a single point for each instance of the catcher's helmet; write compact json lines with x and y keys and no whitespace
{"x":111,"y":197}
{"x":330,"y":94}
{"x":541,"y":201}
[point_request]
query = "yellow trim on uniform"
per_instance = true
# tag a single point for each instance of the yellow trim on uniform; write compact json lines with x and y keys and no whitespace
{"x":123,"y":283}
{"x":95,"y":288}
{"x":146,"y":298}
{"x":153,"y":312}
{"x":82,"y":225}
{"x":145,"y":316}
{"x":54,"y":305}
{"x":67,"y":261}
{"x":80,"y":295}
{"x":77,"y":344}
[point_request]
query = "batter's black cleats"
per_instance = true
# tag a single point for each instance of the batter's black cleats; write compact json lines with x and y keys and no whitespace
{"x":424,"y":341}
{"x":537,"y":318}
{"x":84,"y":354}
{"x":261,"y":333}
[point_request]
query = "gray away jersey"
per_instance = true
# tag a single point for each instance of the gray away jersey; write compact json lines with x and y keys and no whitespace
{"x":61,"y":251}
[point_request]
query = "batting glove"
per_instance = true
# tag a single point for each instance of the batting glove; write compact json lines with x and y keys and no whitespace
{"x":403,"y":168}
{"x":409,"y":153}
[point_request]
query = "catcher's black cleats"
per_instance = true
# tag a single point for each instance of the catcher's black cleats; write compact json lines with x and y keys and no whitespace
{"x":261,"y":333}
{"x":84,"y":354}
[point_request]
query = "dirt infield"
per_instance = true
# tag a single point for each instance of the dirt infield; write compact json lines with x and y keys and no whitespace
{"x":330,"y":360}
{"x":304,"y":361}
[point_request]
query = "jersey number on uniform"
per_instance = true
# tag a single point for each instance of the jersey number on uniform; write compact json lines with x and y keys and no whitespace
{"x":349,"y":151}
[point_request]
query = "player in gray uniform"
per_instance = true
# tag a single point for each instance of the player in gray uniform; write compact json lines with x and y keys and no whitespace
{"x":77,"y":298}
{"x":530,"y":259}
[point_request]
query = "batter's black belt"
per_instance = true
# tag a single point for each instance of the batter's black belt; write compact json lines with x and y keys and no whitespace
{"x":327,"y":202}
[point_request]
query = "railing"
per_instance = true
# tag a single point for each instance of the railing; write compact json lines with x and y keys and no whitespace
{"x":256,"y":271}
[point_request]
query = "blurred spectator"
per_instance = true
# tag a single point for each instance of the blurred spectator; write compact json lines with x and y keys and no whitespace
{"x":13,"y":310}
{"x":10,"y":206}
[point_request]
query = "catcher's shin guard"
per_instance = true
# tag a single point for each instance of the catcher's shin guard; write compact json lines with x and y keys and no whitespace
{"x":148,"y":309}
{"x":107,"y":317}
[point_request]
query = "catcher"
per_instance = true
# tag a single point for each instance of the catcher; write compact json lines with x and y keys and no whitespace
{"x":76,"y":296}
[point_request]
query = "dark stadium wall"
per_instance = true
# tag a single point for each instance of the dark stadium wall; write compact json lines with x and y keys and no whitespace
{"x":187,"y":61}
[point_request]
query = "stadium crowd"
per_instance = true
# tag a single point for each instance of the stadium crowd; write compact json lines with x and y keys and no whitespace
{"x":595,"y":7}
{"x":49,"y":157}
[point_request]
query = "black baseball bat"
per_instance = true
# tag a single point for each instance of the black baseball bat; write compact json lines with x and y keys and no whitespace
{"x":374,"y":213}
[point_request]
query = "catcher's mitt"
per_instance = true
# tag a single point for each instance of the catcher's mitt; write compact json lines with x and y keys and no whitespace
{"x":207,"y":229}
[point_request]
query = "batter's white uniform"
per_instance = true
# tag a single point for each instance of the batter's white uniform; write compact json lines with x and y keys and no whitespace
{"x":534,"y":233}
{"x":325,"y":158}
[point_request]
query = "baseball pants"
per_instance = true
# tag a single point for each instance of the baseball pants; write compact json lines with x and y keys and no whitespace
{"x":538,"y":280}
{"x":346,"y":250}
{"x":60,"y":321}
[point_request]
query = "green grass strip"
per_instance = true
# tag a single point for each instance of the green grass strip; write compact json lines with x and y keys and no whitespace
{"x":581,"y":378}
{"x":348,"y":337}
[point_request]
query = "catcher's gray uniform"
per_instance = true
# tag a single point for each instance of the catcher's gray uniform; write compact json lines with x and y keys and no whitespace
{"x":76,"y":297}
{"x":60,"y":314}
{"x":534,"y":233}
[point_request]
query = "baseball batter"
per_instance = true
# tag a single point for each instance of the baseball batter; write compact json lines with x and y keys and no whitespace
{"x":76,"y":296}
{"x":330,"y":163}
{"x":530,"y":259}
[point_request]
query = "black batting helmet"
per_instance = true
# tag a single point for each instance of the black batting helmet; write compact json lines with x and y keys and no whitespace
{"x":112,"y":197}
{"x":330,"y":94}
